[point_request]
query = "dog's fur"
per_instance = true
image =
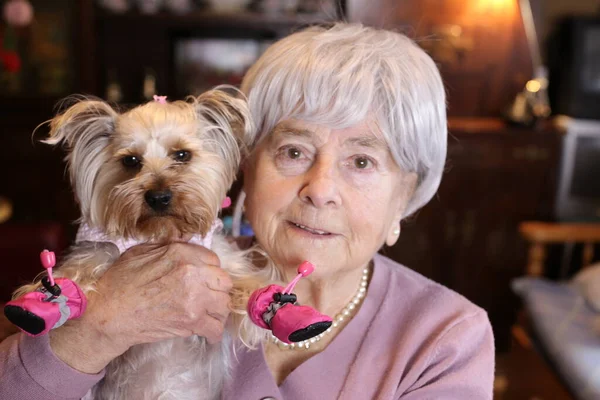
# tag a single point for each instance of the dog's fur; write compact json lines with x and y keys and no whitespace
{"x":212,"y":128}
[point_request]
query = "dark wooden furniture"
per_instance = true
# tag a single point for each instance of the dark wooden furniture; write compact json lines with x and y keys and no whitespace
{"x":131,"y":44}
{"x":522,"y":374}
{"x":467,"y":236}
{"x":539,"y":237}
{"x":480,"y":46}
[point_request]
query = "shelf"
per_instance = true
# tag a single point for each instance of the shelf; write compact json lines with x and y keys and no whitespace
{"x":211,"y":19}
{"x":479,"y":125}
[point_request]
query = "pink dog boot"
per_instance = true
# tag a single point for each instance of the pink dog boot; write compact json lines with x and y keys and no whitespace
{"x":37,"y":312}
{"x":50,"y":306}
{"x":75,"y":299}
{"x":32,"y":313}
{"x":294,"y":323}
{"x":275,"y":308}
{"x":260,"y":305}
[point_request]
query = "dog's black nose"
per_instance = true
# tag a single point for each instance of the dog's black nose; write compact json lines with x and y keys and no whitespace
{"x":158,"y":199}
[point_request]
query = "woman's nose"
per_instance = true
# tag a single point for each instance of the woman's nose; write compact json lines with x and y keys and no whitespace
{"x":321,"y":188}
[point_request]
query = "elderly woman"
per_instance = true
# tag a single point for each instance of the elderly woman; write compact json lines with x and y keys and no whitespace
{"x":350,"y":139}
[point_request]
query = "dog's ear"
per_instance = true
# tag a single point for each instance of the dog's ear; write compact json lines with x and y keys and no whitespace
{"x":84,"y":130}
{"x":82,"y":124}
{"x":230,"y":124}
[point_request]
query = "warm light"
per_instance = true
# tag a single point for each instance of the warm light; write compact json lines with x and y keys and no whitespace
{"x":496,"y":6}
{"x":455,"y":30}
{"x":533,"y":86}
{"x":499,"y":3}
{"x":6,"y":209}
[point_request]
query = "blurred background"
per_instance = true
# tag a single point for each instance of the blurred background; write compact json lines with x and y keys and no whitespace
{"x":523,"y":85}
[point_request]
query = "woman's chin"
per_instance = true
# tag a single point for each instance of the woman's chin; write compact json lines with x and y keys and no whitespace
{"x":294,"y":245}
{"x":321,"y":253}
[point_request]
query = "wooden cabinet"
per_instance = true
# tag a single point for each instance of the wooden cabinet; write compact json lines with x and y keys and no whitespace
{"x":466,"y":238}
{"x":480,"y":46}
{"x":132,"y":46}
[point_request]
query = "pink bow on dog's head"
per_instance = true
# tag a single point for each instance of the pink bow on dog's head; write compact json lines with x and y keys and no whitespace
{"x":160,"y":99}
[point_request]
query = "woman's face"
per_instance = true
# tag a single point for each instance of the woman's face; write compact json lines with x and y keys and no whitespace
{"x":329,"y":196}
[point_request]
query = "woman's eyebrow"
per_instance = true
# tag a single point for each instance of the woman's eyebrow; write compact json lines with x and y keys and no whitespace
{"x":283,"y":131}
{"x":367,"y":141}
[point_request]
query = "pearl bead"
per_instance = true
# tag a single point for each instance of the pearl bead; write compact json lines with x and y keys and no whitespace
{"x":352,"y":306}
{"x":313,"y":340}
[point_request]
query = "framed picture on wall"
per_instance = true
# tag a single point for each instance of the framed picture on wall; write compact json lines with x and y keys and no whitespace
{"x":201,"y":64}
{"x":40,"y":51}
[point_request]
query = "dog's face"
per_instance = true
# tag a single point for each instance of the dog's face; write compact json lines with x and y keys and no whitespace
{"x":161,"y":178}
{"x":157,"y":172}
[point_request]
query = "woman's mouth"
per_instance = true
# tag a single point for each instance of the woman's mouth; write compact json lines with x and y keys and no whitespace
{"x":310,"y":230}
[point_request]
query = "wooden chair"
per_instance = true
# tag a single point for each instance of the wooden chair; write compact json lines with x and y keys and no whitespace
{"x":539,"y":236}
{"x":541,"y":376}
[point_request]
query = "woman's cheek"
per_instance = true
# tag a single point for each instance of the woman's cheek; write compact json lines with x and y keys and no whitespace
{"x":291,"y":167}
{"x":365,"y":182}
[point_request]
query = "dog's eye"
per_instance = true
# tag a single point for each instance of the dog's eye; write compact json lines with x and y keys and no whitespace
{"x":131,"y":161}
{"x":182,"y":156}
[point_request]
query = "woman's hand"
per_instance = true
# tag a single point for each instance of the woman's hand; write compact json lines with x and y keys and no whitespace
{"x":149,"y":294}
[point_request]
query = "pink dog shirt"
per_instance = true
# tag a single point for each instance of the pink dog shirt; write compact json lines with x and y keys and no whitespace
{"x":89,"y":234}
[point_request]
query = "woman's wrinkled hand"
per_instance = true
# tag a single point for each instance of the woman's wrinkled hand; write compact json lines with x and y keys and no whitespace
{"x":149,"y":294}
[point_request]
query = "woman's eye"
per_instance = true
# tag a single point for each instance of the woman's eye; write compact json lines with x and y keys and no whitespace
{"x":294,"y":153}
{"x":182,"y":156}
{"x":292,"y":158}
{"x":131,"y":161}
{"x":362,"y":162}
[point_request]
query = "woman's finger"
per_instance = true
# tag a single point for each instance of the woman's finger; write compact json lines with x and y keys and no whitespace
{"x":210,"y":328}
{"x":218,"y":279}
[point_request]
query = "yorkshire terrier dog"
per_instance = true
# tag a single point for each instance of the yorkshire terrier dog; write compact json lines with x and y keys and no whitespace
{"x":157,"y":173}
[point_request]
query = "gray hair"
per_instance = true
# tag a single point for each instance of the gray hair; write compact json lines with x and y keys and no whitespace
{"x":347,"y":73}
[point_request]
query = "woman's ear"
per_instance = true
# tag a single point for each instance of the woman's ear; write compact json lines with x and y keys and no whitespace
{"x":393,"y":234}
{"x":405,"y":193}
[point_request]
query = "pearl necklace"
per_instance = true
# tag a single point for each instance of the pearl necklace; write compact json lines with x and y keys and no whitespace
{"x":346,"y":313}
